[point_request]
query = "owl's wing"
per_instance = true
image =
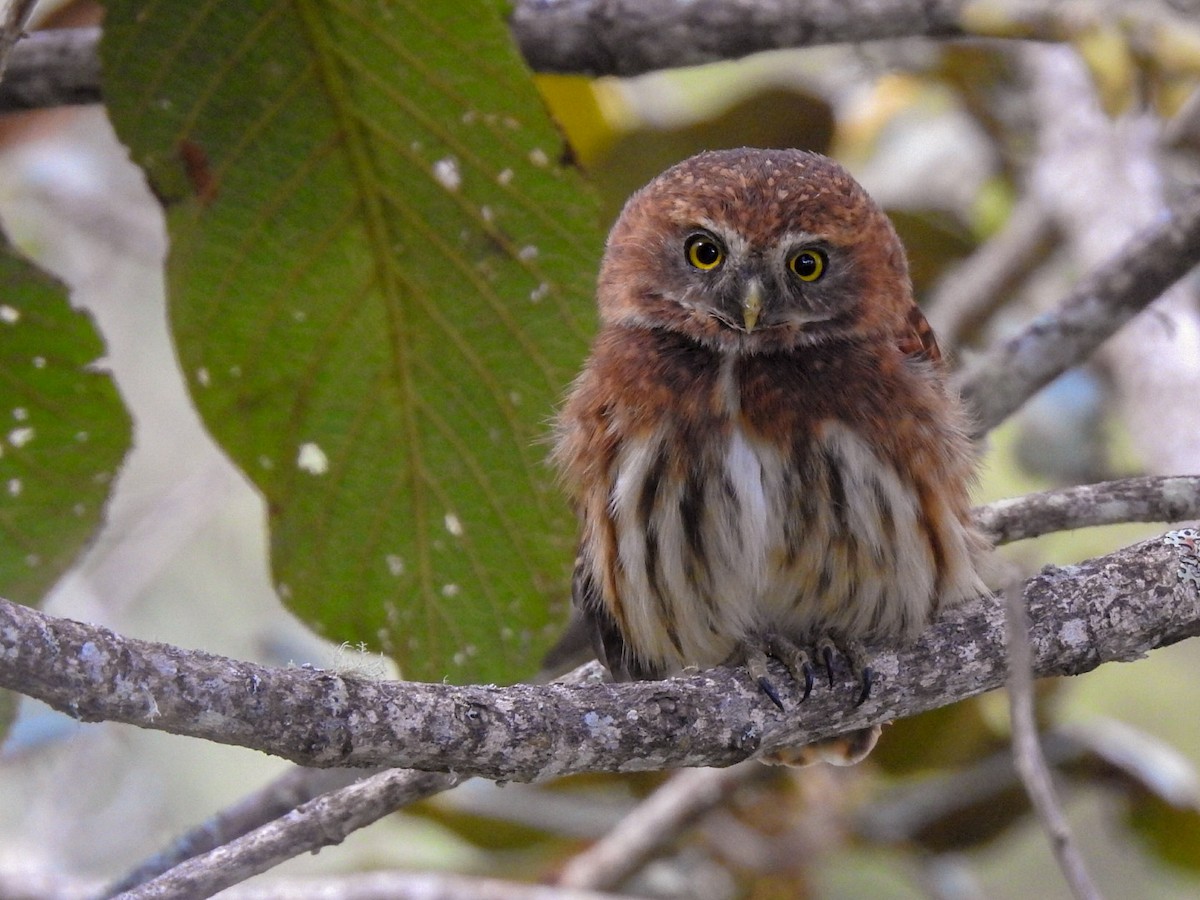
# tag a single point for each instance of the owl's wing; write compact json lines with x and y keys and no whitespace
{"x":590,"y":633}
{"x":607,"y":641}
{"x":918,"y":340}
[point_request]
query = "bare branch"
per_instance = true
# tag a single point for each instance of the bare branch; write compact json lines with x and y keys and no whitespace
{"x":12,"y":28}
{"x":279,"y":822}
{"x":1147,"y":499}
{"x":1154,"y":361}
{"x":410,"y":886}
{"x":376,"y":885}
{"x":283,"y":795}
{"x":1101,"y":303}
{"x":1027,"y":750}
{"x":53,"y":68}
{"x":1116,"y":607}
{"x":629,"y":37}
{"x":970,"y":292}
{"x":322,"y":822}
{"x":656,"y":824}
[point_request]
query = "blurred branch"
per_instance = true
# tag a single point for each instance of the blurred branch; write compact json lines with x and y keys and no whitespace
{"x":1101,"y":751}
{"x":408,"y":886}
{"x":971,"y":291}
{"x":1154,"y":361}
{"x":290,"y":791}
{"x":322,"y":822}
{"x":629,"y":37}
{"x":1135,"y":275}
{"x":1111,"y":608}
{"x":12,"y":28}
{"x":52,"y":68}
{"x":655,"y":824}
{"x":375,"y":885}
{"x":1147,"y":499}
{"x":1027,"y":750}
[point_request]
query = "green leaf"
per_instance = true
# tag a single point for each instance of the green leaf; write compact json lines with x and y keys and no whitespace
{"x":380,"y":284}
{"x":63,"y":435}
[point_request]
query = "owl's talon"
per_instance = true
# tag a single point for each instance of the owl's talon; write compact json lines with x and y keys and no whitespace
{"x":794,"y":658}
{"x":867,"y":680}
{"x":756,"y":665}
{"x":765,"y":685}
{"x":860,"y":666}
{"x":827,"y":653}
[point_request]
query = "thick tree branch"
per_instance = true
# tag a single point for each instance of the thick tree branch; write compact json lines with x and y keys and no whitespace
{"x":1116,"y":607}
{"x":1102,"y":302}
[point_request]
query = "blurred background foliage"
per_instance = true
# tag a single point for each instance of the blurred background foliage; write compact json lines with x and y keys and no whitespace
{"x":942,"y":134}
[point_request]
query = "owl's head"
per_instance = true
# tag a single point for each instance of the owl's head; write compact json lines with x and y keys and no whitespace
{"x":755,"y":250}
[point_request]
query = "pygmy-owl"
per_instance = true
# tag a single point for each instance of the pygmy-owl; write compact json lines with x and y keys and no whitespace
{"x":762,"y":449}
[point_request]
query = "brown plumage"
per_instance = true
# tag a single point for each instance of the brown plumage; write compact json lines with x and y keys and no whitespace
{"x":762,"y":448}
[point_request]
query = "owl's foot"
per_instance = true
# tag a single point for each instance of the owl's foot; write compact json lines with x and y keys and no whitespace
{"x":798,"y":662}
{"x":793,"y":657}
{"x":856,"y":658}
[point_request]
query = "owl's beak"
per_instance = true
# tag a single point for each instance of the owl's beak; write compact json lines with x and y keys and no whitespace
{"x":752,"y":305}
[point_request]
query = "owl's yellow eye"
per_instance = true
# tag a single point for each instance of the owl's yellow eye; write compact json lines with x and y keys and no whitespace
{"x":809,"y":265}
{"x":703,"y":252}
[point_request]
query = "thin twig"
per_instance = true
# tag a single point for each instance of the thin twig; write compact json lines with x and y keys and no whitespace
{"x":656,"y":824}
{"x":1027,"y":750}
{"x":322,"y":822}
{"x":1151,"y":498}
{"x":294,"y":788}
{"x":411,"y":886}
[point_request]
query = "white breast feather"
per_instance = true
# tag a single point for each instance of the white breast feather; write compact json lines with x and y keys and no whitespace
{"x":743,"y":529}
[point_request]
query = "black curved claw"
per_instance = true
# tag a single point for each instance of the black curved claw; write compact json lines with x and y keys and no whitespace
{"x":827,"y":658}
{"x":767,"y":688}
{"x":807,"y":670}
{"x":868,"y":681}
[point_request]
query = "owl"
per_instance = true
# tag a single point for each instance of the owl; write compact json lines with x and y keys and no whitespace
{"x":762,"y":448}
